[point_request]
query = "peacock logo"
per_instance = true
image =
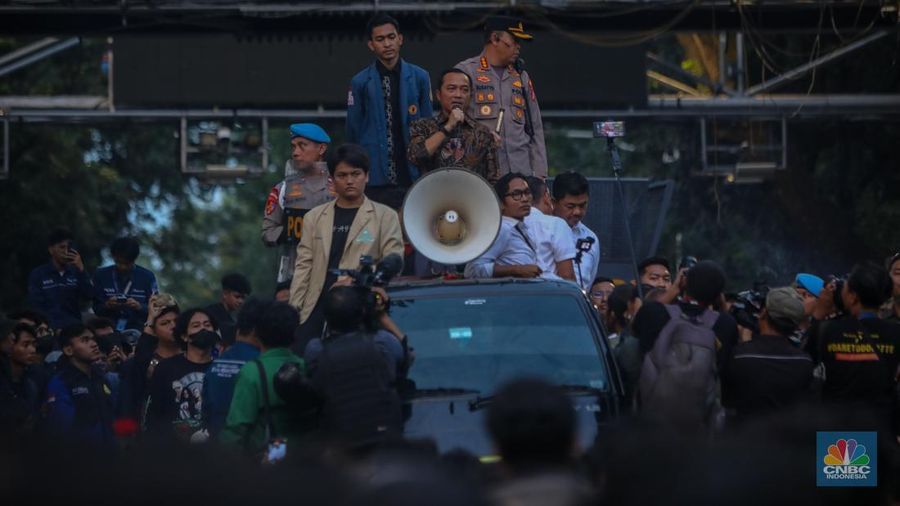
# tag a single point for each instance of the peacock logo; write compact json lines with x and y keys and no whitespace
{"x":846,"y":452}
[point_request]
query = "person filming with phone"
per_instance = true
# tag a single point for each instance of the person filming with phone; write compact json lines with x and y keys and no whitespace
{"x":57,"y":288}
{"x":122,"y":291}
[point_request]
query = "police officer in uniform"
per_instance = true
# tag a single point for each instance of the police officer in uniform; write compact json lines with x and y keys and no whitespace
{"x":304,"y":187}
{"x":500,"y":89}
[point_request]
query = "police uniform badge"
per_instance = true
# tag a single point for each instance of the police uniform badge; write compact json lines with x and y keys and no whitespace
{"x":293,"y":225}
{"x":483,"y":79}
{"x":272,"y":201}
{"x":412,"y":109}
{"x":517,"y":83}
{"x":485,"y":110}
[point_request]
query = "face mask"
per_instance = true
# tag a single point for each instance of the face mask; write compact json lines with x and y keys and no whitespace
{"x":204,"y":339}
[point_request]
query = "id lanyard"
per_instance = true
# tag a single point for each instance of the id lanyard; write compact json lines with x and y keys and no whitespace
{"x":122,"y":321}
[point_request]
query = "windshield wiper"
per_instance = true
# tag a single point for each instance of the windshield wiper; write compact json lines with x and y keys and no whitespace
{"x":579,"y":388}
{"x":482,"y":401}
{"x":441,"y":391}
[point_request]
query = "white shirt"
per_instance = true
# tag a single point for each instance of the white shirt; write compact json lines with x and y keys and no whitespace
{"x":509,"y":248}
{"x":553,"y":240}
{"x":587,"y":271}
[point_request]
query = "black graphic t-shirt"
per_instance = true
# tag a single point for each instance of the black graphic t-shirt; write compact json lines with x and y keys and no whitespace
{"x":175,"y":407}
{"x":343,"y":219}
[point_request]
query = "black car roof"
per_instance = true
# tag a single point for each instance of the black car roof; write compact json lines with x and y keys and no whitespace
{"x":440,"y":286}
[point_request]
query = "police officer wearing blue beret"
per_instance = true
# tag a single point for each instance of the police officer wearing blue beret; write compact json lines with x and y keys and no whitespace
{"x":305,"y":186}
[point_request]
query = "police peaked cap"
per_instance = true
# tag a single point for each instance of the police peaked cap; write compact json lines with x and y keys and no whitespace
{"x":511,"y":25}
{"x":309,"y":131}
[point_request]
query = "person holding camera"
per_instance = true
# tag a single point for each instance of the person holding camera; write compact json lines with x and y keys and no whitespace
{"x":860,"y":352}
{"x":356,"y":367}
{"x":769,"y":373}
{"x":57,"y":288}
{"x":337,"y":234}
{"x":122,"y":291}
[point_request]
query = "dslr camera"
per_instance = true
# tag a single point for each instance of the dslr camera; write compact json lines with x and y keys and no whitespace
{"x":369,"y":274}
{"x":747,"y":306}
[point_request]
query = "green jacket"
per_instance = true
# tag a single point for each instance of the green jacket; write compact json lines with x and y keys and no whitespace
{"x":245,"y":424}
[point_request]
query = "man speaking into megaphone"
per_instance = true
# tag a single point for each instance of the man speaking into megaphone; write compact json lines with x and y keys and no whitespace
{"x":452,"y":138}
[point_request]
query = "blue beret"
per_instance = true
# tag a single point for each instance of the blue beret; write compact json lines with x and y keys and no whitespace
{"x":813,"y":284}
{"x":309,"y":131}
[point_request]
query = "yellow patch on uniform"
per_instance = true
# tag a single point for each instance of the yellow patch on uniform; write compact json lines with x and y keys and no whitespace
{"x":413,"y":109}
{"x":479,"y":97}
{"x":484,"y":63}
{"x":517,"y":83}
{"x":483,"y":79}
{"x":485,"y":110}
{"x":519,"y":113}
{"x":490,"y":96}
{"x":518,"y":100}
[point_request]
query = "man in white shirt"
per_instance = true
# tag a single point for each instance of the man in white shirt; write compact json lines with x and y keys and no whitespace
{"x":553,"y":238}
{"x":513,"y":253}
{"x":570,"y":201}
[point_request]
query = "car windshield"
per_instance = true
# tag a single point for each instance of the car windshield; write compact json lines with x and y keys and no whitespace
{"x":478,"y":343}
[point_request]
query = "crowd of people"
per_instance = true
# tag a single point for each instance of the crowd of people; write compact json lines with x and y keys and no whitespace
{"x":311,"y":382}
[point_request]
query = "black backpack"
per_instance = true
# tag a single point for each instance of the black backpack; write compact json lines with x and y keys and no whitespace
{"x":360,"y":405}
{"x":678,"y":382}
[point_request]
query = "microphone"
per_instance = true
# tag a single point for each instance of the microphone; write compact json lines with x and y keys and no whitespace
{"x":519,"y":65}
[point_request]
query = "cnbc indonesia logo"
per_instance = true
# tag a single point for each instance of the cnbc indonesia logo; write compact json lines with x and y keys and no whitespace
{"x":848,"y":459}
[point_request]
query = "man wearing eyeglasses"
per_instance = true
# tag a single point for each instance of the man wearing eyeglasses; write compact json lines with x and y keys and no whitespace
{"x":504,"y":96}
{"x":513,"y":252}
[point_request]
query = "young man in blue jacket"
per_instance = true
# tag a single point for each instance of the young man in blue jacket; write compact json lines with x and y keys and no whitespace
{"x":122,"y":291}
{"x":57,"y":288}
{"x":384,"y":99}
{"x":79,"y":402}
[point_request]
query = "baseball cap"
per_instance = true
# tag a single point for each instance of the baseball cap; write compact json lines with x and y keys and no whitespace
{"x":810,"y":282}
{"x":508,"y":24}
{"x":309,"y":131}
{"x":785,"y":304}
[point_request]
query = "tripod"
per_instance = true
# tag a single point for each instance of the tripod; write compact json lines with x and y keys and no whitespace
{"x":617,"y":172}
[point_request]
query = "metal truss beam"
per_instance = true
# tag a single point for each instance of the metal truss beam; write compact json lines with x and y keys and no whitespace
{"x":35,"y":53}
{"x":868,"y":106}
{"x":804,"y":69}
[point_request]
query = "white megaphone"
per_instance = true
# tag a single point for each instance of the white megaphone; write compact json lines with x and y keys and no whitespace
{"x":451,"y":215}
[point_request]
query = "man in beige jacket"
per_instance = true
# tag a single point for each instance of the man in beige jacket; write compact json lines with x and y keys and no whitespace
{"x":336,"y":234}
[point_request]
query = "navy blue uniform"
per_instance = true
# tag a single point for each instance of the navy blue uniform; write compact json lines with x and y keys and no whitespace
{"x":138,"y":284}
{"x":218,"y":384}
{"x":58,"y":294}
{"x":80,"y":407}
